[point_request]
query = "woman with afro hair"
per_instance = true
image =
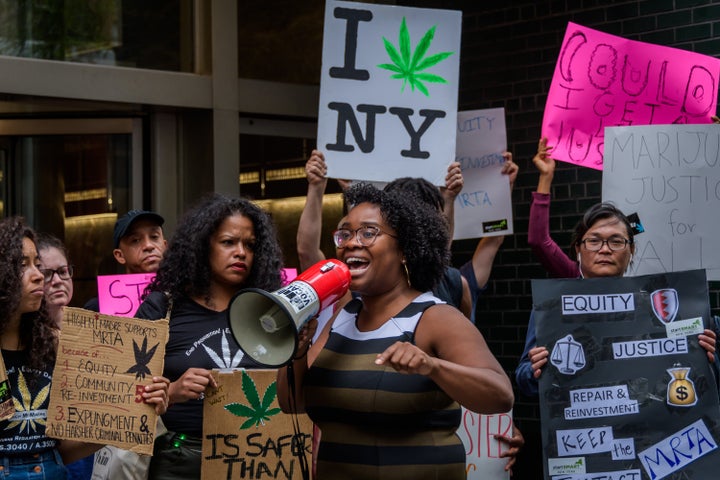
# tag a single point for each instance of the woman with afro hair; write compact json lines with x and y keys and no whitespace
{"x":392,"y":369}
{"x":222,"y":245}
{"x":28,"y":338}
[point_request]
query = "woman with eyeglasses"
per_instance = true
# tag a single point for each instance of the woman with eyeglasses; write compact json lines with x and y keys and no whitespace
{"x":57,"y":273}
{"x":394,"y":366}
{"x":603,"y":244}
{"x":28,"y":339}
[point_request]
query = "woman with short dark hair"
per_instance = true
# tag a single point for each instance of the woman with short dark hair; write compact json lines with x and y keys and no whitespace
{"x":603,"y":244}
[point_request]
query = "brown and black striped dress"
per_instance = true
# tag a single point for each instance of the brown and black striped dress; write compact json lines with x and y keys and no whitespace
{"x":377,"y":423}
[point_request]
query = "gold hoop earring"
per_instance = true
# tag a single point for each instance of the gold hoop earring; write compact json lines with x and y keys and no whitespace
{"x":407,"y":273}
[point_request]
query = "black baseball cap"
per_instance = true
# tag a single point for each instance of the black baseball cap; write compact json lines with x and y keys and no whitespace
{"x":123,"y":223}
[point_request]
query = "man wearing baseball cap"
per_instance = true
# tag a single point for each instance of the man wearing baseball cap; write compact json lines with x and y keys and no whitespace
{"x":139,"y":244}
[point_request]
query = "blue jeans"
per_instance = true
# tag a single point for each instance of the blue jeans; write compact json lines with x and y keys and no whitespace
{"x":40,"y":466}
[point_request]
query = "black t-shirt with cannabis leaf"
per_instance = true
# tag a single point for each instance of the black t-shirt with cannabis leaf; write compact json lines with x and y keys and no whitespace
{"x":24,"y":433}
{"x":199,"y":338}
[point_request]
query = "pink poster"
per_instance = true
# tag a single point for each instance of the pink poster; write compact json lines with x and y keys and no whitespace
{"x":601,"y":80}
{"x":290,"y":274}
{"x":120,"y":294}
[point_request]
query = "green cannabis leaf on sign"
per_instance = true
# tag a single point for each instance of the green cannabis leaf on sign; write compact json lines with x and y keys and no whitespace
{"x":408,"y":66}
{"x":257,"y":412}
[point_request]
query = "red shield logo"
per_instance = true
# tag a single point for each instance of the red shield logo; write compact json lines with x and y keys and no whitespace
{"x":665,"y":304}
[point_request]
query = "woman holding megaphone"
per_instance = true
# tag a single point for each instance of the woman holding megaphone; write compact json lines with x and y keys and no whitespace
{"x":221,"y":246}
{"x":394,"y":366}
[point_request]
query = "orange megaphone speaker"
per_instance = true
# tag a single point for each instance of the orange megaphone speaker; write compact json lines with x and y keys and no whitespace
{"x":266,"y":324}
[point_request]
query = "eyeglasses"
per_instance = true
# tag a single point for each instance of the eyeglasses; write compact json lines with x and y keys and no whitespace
{"x":65,"y":273}
{"x":614,"y":244}
{"x":365,"y":235}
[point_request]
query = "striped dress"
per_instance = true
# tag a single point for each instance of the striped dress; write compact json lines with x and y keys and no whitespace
{"x":377,"y":423}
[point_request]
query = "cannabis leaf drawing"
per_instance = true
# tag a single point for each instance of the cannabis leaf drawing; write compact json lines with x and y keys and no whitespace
{"x":257,"y":412}
{"x":27,"y":409}
{"x":227,"y":360}
{"x":142,"y":358}
{"x":408,"y":66}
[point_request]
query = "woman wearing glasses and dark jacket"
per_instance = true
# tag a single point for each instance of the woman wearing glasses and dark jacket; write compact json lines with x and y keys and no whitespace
{"x":603,"y":243}
{"x":394,"y":366}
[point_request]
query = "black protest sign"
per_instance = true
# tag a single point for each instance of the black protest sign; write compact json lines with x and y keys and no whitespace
{"x":628,"y":392}
{"x":246,"y":435}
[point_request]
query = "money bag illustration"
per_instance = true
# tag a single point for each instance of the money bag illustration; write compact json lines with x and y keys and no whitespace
{"x":681,"y":390}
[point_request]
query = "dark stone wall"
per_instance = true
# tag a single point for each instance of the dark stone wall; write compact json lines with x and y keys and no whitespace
{"x":509,"y":50}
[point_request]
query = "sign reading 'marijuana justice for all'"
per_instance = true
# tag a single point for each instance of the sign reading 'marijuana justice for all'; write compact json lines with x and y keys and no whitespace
{"x":628,"y":392}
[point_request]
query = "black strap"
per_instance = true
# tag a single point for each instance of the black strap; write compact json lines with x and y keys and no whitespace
{"x":299,"y":436}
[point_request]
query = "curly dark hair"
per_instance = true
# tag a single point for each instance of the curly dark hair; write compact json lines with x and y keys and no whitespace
{"x":600,"y":211}
{"x":38,"y":332}
{"x":426,"y":191}
{"x":421,"y":231}
{"x":185,"y":268}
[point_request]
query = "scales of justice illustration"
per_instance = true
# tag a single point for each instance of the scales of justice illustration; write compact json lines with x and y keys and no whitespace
{"x":568,"y":356}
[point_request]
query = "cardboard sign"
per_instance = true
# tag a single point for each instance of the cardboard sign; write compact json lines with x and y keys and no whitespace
{"x":484,"y":207}
{"x":7,"y":406}
{"x":246,"y":435}
{"x":103,"y":364}
{"x":669,"y":176}
{"x":388,"y":91}
{"x":120,"y":294}
{"x":483,"y":451}
{"x":628,"y":391}
{"x":601,"y":80}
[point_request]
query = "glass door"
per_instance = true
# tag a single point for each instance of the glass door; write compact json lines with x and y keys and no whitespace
{"x":70,"y":179}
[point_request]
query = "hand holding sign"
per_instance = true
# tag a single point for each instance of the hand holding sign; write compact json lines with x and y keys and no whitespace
{"x":388,"y":91}
{"x":484,"y":207}
{"x":601,"y":80}
{"x":106,"y":385}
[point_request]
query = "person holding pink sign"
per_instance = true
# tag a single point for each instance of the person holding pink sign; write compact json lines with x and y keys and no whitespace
{"x":222,"y":245}
{"x":603,"y":243}
{"x":139,"y":245}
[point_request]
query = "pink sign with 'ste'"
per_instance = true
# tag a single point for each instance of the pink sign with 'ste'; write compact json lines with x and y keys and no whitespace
{"x":601,"y":80}
{"x":120,"y":294}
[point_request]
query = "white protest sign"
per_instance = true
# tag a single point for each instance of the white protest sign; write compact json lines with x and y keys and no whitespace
{"x":388,"y":91}
{"x":484,"y":207}
{"x":670,"y":176}
{"x":482,"y":451}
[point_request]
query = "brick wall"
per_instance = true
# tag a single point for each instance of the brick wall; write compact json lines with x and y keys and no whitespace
{"x":508,"y":54}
